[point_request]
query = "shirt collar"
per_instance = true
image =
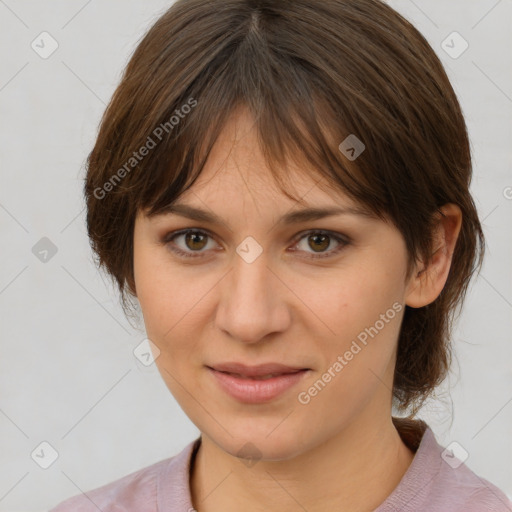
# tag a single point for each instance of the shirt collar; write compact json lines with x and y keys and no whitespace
{"x":173,"y":488}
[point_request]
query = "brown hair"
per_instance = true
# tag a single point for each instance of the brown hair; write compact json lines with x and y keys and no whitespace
{"x":311,"y":72}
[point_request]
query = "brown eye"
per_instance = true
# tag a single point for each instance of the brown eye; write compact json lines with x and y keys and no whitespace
{"x":189,"y":242}
{"x":195,"y":240}
{"x":318,"y":242}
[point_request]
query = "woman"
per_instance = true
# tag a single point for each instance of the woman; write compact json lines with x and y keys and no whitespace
{"x":283,"y":188}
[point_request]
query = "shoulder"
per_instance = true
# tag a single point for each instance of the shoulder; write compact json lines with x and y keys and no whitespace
{"x":136,"y":491}
{"x":466,"y":491}
{"x":437,"y":480}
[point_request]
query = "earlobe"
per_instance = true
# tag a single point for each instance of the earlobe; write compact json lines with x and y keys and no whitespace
{"x":428,"y":281}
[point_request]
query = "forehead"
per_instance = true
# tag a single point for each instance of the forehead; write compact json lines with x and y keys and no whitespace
{"x":236,"y":168}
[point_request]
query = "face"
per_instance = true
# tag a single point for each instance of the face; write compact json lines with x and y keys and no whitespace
{"x":324,"y":295}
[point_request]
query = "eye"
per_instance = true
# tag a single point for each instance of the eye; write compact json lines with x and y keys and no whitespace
{"x":193,"y":241}
{"x":190,"y":243}
{"x":319,"y":241}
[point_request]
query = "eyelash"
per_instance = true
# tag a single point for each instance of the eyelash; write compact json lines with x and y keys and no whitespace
{"x":171,"y":236}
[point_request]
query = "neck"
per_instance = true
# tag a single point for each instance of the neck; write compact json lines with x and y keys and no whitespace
{"x":354,"y":470}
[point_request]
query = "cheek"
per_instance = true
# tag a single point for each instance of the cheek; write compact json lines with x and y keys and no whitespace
{"x":160,"y":288}
{"x":354,"y":300}
{"x":358,"y":352}
{"x":158,"y":293}
{"x":173,"y":305}
{"x":363,"y":315}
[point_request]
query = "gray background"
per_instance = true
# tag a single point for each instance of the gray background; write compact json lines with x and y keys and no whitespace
{"x":68,"y":375}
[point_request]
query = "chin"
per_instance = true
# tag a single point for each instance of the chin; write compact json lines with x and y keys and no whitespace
{"x":254,"y":440}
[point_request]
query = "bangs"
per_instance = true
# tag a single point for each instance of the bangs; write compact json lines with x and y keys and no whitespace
{"x":297,"y":118}
{"x":292,"y":145}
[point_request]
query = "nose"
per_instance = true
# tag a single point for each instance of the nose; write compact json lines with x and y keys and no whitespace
{"x":253,"y":301}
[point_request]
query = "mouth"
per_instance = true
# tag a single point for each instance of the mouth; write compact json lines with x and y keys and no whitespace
{"x":256,"y":384}
{"x":260,"y":371}
{"x":260,"y":377}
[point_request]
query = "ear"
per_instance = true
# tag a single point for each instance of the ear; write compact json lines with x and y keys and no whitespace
{"x":428,"y":280}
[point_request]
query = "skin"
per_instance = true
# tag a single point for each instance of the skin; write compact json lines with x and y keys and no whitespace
{"x":341,"y":450}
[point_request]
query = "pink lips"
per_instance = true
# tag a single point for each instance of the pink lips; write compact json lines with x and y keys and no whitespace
{"x":256,"y":384}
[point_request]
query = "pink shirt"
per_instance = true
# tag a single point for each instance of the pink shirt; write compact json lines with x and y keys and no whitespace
{"x":429,"y":484}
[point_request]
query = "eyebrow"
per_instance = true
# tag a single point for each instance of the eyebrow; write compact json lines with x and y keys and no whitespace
{"x":294,"y":217}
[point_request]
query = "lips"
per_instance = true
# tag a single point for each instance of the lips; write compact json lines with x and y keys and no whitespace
{"x":256,"y":384}
{"x":260,"y":377}
{"x":258,"y":372}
